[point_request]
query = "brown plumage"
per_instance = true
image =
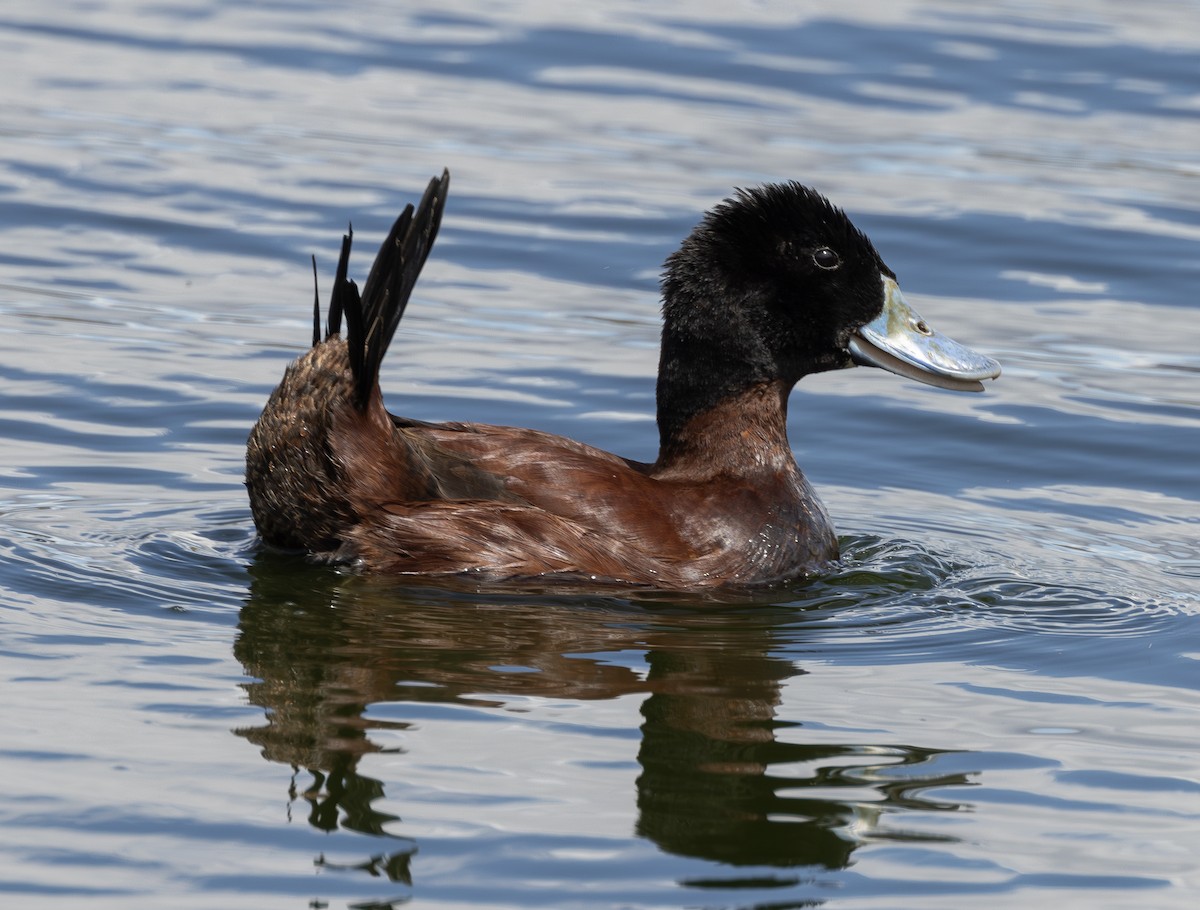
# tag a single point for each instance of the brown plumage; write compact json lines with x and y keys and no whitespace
{"x":769,"y":287}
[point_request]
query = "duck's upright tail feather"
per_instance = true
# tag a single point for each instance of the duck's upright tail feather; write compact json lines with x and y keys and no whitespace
{"x":323,"y":450}
{"x":372,"y":317}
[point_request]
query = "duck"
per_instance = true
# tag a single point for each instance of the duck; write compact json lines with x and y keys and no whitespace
{"x":773,"y":284}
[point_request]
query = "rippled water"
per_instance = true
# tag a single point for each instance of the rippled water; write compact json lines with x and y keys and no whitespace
{"x":991,"y":703}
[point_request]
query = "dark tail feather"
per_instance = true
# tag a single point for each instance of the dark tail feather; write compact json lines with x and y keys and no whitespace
{"x":390,"y":283}
{"x":372,"y":318}
{"x":344,"y":290}
{"x":316,"y":306}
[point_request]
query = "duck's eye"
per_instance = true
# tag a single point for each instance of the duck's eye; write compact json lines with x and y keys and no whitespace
{"x":825,"y":258}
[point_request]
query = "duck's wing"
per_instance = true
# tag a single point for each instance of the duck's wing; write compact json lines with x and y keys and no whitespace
{"x":498,"y":502}
{"x":450,"y":475}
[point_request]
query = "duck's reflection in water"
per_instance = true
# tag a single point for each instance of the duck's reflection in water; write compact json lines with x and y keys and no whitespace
{"x":722,"y":777}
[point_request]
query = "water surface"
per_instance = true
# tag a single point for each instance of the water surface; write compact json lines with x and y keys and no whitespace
{"x":991,"y":702}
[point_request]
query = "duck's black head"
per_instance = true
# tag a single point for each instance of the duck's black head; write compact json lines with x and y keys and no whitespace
{"x":776,"y":283}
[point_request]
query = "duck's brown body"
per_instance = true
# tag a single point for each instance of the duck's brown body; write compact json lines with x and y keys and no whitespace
{"x":772,"y":285}
{"x":399,"y":496}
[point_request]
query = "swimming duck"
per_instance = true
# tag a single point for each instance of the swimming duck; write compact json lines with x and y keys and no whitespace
{"x":773,"y":284}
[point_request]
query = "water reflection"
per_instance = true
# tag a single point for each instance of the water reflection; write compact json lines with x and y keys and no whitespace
{"x":722,"y":779}
{"x":718,"y":784}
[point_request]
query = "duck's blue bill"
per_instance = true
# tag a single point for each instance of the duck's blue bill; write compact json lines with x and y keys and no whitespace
{"x":899,"y":340}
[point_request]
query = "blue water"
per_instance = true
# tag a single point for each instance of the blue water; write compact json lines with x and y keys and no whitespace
{"x":994,"y":701}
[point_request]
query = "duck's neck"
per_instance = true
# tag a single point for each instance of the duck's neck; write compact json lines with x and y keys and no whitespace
{"x":744,"y":434}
